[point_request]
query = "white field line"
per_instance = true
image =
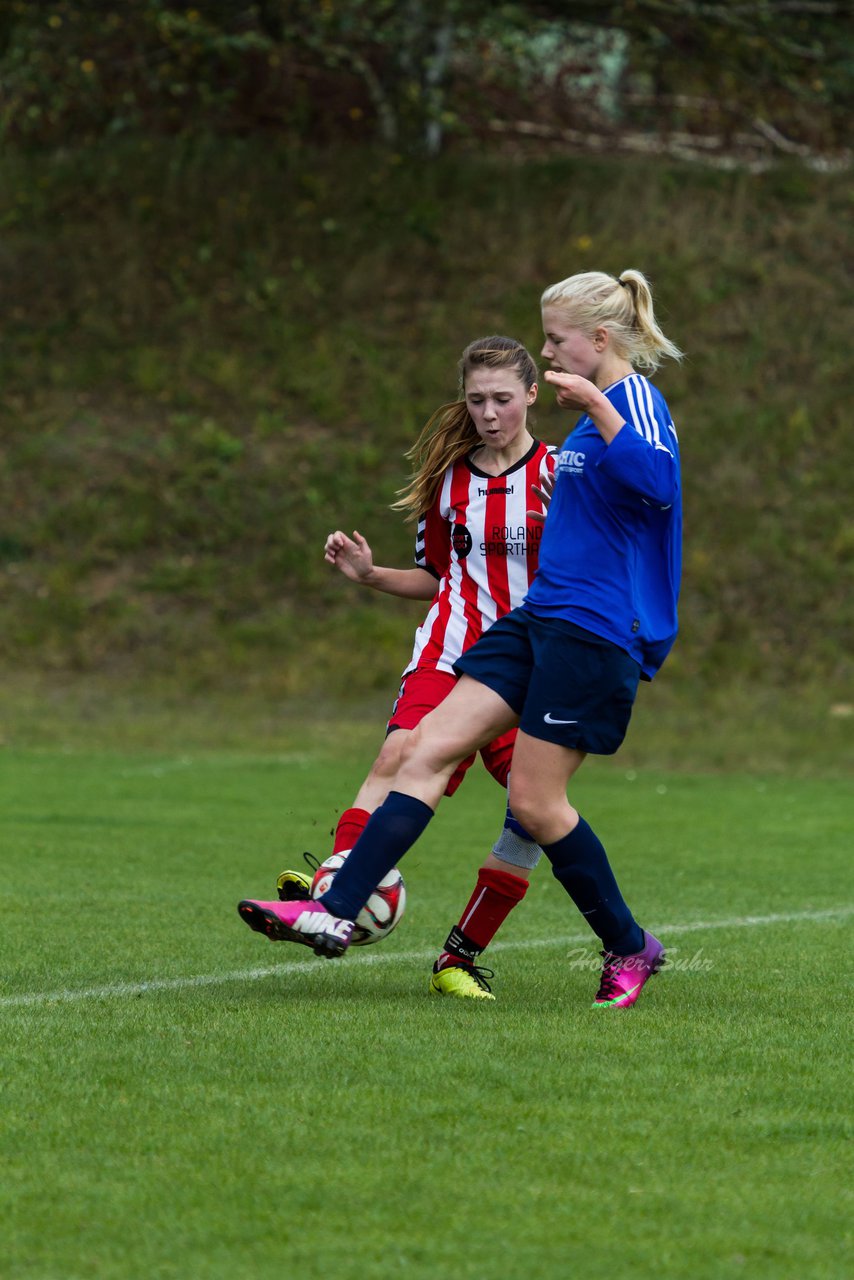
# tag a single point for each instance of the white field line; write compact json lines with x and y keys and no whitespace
{"x":396,"y":957}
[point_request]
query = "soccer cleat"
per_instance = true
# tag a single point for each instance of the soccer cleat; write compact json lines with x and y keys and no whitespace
{"x":305,"y":922}
{"x":295,"y":886}
{"x":466,"y":982}
{"x":624,"y":977}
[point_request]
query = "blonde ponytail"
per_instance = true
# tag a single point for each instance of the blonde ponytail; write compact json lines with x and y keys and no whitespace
{"x":653,"y":345}
{"x":624,"y":306}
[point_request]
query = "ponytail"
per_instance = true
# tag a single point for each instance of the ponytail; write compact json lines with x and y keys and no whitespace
{"x":624,"y":306}
{"x":652,"y":345}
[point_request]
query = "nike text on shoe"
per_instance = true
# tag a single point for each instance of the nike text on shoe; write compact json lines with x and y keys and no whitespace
{"x":624,"y":977}
{"x":305,"y":922}
{"x":466,"y":982}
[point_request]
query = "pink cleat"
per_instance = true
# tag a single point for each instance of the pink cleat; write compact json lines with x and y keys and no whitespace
{"x":624,"y":977}
{"x":298,"y":921}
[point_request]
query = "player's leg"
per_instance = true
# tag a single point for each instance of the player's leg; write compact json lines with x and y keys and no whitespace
{"x":469,"y":717}
{"x":372,"y":792}
{"x":293,"y":885}
{"x":472,"y":715}
{"x":580,"y":700}
{"x":541,"y":773}
{"x":502,"y":882}
{"x":420,"y":691}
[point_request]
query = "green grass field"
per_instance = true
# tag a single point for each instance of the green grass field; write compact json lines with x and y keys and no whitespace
{"x":182,"y":1099}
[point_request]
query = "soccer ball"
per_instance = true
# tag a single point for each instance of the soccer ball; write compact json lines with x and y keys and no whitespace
{"x":383,"y":910}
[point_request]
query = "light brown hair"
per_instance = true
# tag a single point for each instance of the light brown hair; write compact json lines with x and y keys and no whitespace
{"x":450,"y":433}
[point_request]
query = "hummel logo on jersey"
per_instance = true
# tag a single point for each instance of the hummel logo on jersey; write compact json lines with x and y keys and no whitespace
{"x":549,"y":719}
{"x":488,"y":493}
{"x":571,"y":460}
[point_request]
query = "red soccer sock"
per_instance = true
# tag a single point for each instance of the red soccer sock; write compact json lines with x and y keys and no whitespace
{"x":494,"y":897}
{"x":350,"y":826}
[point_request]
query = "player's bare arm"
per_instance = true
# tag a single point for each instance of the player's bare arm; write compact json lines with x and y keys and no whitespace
{"x":353,"y":557}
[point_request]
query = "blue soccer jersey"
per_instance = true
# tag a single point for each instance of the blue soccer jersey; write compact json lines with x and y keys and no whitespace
{"x":611,"y":553}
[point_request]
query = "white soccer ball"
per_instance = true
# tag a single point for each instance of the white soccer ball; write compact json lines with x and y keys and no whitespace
{"x":383,"y":910}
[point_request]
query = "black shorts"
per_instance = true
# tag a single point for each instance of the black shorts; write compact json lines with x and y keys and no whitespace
{"x":567,"y":685}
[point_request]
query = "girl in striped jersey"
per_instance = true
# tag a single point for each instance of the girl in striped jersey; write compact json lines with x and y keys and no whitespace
{"x":564,"y":667}
{"x":478,"y":473}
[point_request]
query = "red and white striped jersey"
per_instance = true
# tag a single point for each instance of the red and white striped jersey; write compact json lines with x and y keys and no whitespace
{"x":478,"y":542}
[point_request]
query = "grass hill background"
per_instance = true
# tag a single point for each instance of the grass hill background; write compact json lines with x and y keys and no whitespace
{"x":215,"y":352}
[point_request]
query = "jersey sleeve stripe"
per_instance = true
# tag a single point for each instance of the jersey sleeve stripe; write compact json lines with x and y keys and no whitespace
{"x":421,"y":543}
{"x":653,"y":416}
{"x":649,"y":408}
{"x":641,"y":403}
{"x":638,"y":417}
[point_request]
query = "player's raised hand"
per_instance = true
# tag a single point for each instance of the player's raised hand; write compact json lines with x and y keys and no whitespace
{"x":573,"y":392}
{"x":544,"y":492}
{"x":353,"y":556}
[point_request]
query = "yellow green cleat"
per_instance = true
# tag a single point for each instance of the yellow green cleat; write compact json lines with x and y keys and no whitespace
{"x":466,"y":982}
{"x":293,"y":886}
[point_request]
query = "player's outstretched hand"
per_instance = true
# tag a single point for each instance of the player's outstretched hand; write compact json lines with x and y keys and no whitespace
{"x":353,"y":556}
{"x":573,"y":392}
{"x":545,"y":496}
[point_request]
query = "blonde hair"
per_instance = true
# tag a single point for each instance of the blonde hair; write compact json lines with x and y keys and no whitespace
{"x":622,"y":305}
{"x":450,"y":433}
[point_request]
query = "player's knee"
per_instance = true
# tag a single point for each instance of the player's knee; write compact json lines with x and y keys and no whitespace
{"x":541,"y":816}
{"x":527,"y":816}
{"x":428,"y":752}
{"x":388,"y":761}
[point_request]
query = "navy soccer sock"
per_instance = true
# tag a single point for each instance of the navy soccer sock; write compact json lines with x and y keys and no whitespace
{"x":580,"y":863}
{"x":392,"y":830}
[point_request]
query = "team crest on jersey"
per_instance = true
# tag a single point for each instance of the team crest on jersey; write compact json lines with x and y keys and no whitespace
{"x":461,"y":541}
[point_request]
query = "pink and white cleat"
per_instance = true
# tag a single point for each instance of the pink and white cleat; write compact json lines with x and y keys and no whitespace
{"x":305,"y":922}
{"x":624,"y":977}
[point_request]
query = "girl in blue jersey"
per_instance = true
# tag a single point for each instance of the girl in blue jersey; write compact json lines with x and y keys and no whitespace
{"x":565,"y":665}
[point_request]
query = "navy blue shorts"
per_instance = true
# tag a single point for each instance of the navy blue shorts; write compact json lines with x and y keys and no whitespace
{"x":567,"y":685}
